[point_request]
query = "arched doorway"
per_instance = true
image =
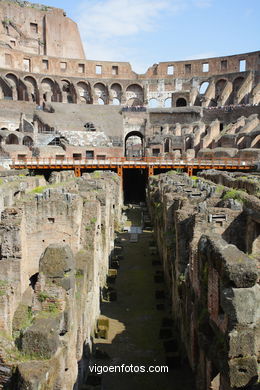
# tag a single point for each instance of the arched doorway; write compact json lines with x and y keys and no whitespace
{"x":134,"y":145}
{"x":181,"y":102}
{"x":12,"y":139}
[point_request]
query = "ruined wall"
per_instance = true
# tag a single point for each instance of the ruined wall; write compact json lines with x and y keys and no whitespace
{"x":56,"y":242}
{"x":36,"y":29}
{"x":208,"y":238}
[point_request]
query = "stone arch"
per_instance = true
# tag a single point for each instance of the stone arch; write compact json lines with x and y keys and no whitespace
{"x":153,"y":103}
{"x":134,"y":95}
{"x":101,"y":92}
{"x":167,"y":145}
{"x":68,"y":95}
{"x":189,"y":142}
{"x":116,"y":92}
{"x":134,"y":144}
{"x":203,"y":87}
{"x":241,"y":141}
{"x":116,"y":102}
{"x":32,"y":92}
{"x":84,"y":92}
{"x":47,"y":86}
{"x":12,"y":139}
{"x":168,"y":102}
{"x":255,"y":142}
{"x":219,"y":87}
{"x":6,"y":91}
{"x":100,"y":101}
{"x":13,"y":81}
{"x":237,"y":83}
{"x":27,"y":141}
{"x":181,"y":102}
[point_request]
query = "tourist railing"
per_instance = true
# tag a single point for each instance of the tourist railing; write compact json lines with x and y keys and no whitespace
{"x":159,"y":161}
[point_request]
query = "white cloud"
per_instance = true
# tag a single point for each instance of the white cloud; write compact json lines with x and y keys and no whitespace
{"x":117,"y":18}
{"x":108,"y":26}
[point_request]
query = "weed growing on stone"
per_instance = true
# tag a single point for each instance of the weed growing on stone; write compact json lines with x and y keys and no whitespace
{"x":42,"y":296}
{"x":235,"y":194}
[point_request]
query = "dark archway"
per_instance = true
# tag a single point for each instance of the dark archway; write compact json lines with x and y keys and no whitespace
{"x":27,"y":141}
{"x":181,"y":102}
{"x":167,"y":145}
{"x":12,"y":139}
{"x":134,"y":145}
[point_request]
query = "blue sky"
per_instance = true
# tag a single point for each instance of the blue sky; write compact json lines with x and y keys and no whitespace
{"x":145,"y":32}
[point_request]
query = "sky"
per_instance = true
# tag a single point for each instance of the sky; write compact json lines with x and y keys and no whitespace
{"x":145,"y":32}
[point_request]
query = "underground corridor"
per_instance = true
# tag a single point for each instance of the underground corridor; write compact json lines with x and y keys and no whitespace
{"x":137,"y":307}
{"x":135,"y":182}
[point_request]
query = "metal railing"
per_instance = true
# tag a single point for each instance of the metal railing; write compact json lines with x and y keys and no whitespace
{"x":50,"y":161}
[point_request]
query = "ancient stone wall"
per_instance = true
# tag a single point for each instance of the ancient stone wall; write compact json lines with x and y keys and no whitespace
{"x":34,"y":29}
{"x":56,"y":242}
{"x":208,"y":238}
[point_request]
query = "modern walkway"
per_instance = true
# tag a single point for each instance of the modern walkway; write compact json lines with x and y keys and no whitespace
{"x":135,"y":321}
{"x":120,"y":163}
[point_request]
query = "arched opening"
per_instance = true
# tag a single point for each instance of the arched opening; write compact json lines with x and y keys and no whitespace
{"x":203,"y":87}
{"x":27,"y":141}
{"x":32,"y":90}
{"x":256,"y":142}
{"x":153,"y":103}
{"x":167,"y":145}
{"x":33,"y":280}
{"x":84,"y":92}
{"x":13,"y":81}
{"x":68,"y":96}
{"x":101,"y":93}
{"x":101,"y":101}
{"x":5,"y":91}
{"x":116,"y":93}
{"x":237,"y":83}
{"x":134,"y":145}
{"x":220,"y":85}
{"x":116,"y":102}
{"x":47,"y":89}
{"x":12,"y":139}
{"x":181,"y":102}
{"x":134,"y":95}
{"x":168,"y":103}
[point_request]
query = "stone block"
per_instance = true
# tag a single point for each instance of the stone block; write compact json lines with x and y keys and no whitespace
{"x":243,"y":371}
{"x":42,"y":338}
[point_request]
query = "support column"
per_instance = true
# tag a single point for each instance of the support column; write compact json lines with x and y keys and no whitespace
{"x":77,"y":171}
{"x":120,"y":173}
{"x":150,"y":170}
{"x":120,"y":170}
{"x":190,"y":171}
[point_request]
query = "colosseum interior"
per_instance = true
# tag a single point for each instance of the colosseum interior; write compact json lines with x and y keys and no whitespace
{"x":114,"y":186}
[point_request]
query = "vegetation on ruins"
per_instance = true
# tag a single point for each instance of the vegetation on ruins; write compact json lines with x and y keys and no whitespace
{"x":235,"y":194}
{"x":43,"y":296}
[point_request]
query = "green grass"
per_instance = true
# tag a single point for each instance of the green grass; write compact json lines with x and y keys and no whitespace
{"x":79,"y":273}
{"x":38,"y":190}
{"x":235,"y":194}
{"x":42,"y":296}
